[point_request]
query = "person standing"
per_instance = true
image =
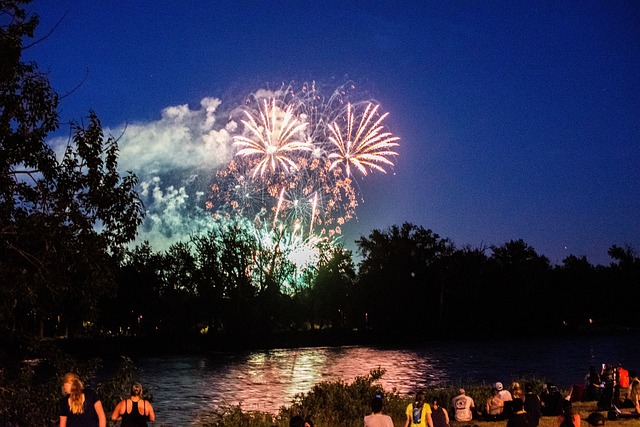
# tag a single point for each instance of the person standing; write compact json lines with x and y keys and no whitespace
{"x":377,"y":418}
{"x":135,"y":411}
{"x":608,"y":382}
{"x":418,"y":413}
{"x":622,"y":385}
{"x":463,"y":406}
{"x":80,"y":407}
{"x":593,"y":385}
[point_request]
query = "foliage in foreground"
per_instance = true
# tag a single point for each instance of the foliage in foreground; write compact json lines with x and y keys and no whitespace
{"x":339,"y":404}
{"x":329,"y":403}
{"x":30,"y":389}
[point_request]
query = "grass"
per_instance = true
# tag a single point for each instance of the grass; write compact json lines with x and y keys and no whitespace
{"x":581,"y":408}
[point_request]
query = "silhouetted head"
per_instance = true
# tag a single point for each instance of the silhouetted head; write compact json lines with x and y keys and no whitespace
{"x":435,"y":403}
{"x":298,"y":421}
{"x":517,"y":405}
{"x":376,"y":404}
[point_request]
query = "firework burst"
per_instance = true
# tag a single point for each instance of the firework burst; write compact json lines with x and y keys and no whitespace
{"x":297,"y":153}
{"x":362,"y":145}
{"x":273,"y":137}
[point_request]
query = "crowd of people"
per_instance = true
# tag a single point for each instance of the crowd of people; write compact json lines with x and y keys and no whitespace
{"x":615,"y":389}
{"x":520,"y":413}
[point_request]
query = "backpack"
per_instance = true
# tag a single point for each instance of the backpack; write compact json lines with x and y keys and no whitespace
{"x":614,"y":413}
{"x":417,"y":414}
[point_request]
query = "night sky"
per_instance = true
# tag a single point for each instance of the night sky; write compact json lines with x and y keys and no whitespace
{"x":518,"y":120}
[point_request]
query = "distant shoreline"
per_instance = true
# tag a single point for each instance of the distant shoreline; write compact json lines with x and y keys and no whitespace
{"x":198,"y":344}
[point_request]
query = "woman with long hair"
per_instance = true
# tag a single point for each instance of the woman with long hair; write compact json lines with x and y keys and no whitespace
{"x":134,"y":411}
{"x":80,"y":406}
{"x":516,"y":391}
{"x":494,"y":407}
{"x":439,"y":415}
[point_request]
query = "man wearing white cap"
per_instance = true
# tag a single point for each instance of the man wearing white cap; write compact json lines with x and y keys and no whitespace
{"x":503,"y":394}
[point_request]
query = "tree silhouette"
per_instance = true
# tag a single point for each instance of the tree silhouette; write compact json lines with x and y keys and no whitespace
{"x":60,"y":220}
{"x":401,"y":276}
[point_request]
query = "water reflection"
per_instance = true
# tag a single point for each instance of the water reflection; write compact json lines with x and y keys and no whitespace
{"x":267,"y":380}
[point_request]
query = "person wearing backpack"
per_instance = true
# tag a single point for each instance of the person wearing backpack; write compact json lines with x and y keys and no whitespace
{"x":419,"y":412}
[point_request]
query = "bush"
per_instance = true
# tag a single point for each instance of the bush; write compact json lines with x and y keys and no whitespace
{"x":329,"y":403}
{"x":341,"y":404}
{"x":31,"y":389}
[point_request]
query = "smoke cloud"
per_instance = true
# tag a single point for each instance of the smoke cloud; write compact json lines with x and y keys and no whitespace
{"x":174,"y":159}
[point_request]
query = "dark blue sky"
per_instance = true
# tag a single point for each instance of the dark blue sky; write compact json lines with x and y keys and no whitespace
{"x":516,"y":119}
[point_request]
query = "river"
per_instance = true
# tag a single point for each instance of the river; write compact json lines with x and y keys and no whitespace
{"x":265,"y":380}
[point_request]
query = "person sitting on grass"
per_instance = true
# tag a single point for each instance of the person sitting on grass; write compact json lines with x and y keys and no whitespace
{"x":516,"y":391}
{"x":439,"y":415}
{"x":377,"y":418}
{"x":634,"y":391}
{"x":419,"y":412}
{"x":519,"y":418}
{"x":568,"y":417}
{"x":532,"y":405}
{"x":298,"y":421}
{"x":463,"y":406}
{"x":552,"y":401}
{"x":493,"y":407}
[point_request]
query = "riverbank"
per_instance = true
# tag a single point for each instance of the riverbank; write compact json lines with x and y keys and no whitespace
{"x":184,"y":380}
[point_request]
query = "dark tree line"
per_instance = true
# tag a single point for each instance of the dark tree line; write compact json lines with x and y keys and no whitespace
{"x":409,"y":281}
